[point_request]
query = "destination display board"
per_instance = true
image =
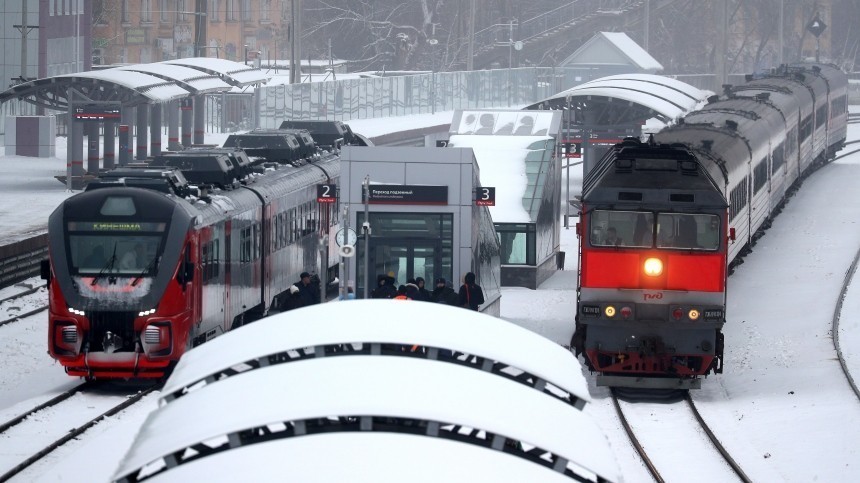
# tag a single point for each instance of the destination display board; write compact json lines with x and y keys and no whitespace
{"x":96,"y":112}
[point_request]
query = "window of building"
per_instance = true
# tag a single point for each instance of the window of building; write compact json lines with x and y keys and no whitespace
{"x":247,"y":13}
{"x":124,"y":11}
{"x":146,"y":13}
{"x":265,"y":10}
{"x":231,"y":10}
{"x":164,"y":10}
{"x":181,"y":15}
{"x":214,"y":12}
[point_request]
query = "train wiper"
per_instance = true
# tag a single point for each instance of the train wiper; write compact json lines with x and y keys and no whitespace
{"x":107,"y":268}
{"x":148,"y":268}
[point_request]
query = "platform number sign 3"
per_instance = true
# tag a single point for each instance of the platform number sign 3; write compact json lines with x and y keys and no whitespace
{"x":326,"y":193}
{"x":485,"y":196}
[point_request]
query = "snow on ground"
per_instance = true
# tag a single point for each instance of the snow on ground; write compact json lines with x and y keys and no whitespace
{"x":782,"y":406}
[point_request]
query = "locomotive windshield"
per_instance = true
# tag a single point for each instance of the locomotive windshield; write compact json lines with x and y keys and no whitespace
{"x":120,"y":248}
{"x":638,"y":229}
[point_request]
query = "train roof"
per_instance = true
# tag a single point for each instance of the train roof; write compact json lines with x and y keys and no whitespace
{"x":323,"y":393}
{"x":642,"y":173}
{"x":434,"y":325}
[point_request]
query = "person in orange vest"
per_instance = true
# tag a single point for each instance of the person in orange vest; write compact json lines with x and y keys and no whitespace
{"x":401,"y":293}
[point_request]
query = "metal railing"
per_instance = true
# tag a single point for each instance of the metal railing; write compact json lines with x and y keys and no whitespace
{"x":414,"y":94}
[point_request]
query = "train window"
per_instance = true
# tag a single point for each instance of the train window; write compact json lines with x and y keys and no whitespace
{"x":621,"y":228}
{"x":778,"y":157}
{"x":118,"y":206}
{"x":805,"y":128}
{"x":245,"y":245}
{"x":688,"y":232}
{"x":760,"y":175}
{"x":256,"y":241}
{"x":821,"y":116}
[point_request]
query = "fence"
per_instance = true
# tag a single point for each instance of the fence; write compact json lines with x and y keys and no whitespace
{"x":414,"y":94}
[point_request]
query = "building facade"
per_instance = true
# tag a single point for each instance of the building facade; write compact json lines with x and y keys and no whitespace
{"x":141,"y":31}
{"x":57,"y":34}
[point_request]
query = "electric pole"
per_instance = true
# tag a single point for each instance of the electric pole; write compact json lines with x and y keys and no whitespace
{"x":25,"y":30}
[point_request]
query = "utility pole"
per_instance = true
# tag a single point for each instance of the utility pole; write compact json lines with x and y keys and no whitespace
{"x":781,"y":28}
{"x":647,"y":24}
{"x":722,"y":48}
{"x":199,"y":29}
{"x":24,"y":29}
{"x":470,"y":59}
{"x":295,"y":41}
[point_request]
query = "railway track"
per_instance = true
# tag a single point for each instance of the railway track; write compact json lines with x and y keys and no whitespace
{"x":15,"y":307}
{"x":837,"y":315}
{"x":647,"y":430}
{"x":30,"y":431}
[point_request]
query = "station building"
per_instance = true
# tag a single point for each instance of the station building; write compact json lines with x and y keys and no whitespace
{"x":423,"y":219}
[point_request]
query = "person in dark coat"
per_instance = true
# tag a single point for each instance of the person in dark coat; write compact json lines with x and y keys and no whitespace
{"x":384,"y":288}
{"x":423,"y":293}
{"x":291,"y":299}
{"x":471,"y":295}
{"x":308,"y":291}
{"x":443,"y":294}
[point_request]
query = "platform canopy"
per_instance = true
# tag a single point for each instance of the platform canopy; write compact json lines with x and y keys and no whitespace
{"x":135,"y":84}
{"x":627,"y":98}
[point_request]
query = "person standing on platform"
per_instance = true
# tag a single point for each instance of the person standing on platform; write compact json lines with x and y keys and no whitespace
{"x":471,"y":294}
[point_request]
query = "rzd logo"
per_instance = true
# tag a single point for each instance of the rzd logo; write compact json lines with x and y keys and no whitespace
{"x":653,"y":296}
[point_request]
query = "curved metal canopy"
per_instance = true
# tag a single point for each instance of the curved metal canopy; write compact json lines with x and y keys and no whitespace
{"x":627,"y":98}
{"x":136,"y":84}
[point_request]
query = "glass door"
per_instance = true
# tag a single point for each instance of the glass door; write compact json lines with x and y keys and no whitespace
{"x":405,"y":258}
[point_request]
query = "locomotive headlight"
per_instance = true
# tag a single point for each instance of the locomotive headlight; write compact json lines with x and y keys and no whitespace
{"x":693,"y":314}
{"x":653,"y":267}
{"x":609,"y":311}
{"x":144,"y":313}
{"x":76,"y":311}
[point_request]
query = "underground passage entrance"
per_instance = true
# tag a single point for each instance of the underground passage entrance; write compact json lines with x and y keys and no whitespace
{"x":407,"y":245}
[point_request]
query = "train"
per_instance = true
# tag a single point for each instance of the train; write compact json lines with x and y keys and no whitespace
{"x":664,"y":221}
{"x":146,"y":264}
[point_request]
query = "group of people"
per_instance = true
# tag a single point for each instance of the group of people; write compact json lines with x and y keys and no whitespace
{"x":470,"y":296}
{"x":307,"y":292}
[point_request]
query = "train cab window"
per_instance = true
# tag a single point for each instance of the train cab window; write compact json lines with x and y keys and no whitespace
{"x":118,"y":206}
{"x":688,"y":232}
{"x":621,"y":228}
{"x":125,"y":249}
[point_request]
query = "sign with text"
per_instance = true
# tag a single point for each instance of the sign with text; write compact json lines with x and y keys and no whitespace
{"x":405,"y":194}
{"x":572,"y":150}
{"x":326,"y":193}
{"x":485,"y":196}
{"x":96,"y":112}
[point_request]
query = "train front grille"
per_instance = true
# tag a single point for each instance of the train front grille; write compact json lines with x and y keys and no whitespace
{"x":111,"y":331}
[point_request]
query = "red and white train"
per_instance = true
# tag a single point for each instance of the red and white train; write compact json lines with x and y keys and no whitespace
{"x":663,"y":221}
{"x":140,"y":272}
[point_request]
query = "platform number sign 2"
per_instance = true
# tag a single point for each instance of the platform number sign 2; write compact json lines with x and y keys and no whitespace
{"x":485,"y":196}
{"x":326,"y":193}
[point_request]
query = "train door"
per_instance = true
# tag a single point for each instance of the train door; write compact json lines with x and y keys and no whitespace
{"x":228,"y":262}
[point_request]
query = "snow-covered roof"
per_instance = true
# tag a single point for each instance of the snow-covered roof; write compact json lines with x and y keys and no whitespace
{"x":432,"y":325}
{"x":668,"y":98}
{"x":357,"y":456}
{"x":234,"y":73}
{"x":502,"y":164}
{"x":140,"y":83}
{"x":188,"y":78}
{"x":372,"y":389}
{"x":598,"y":50}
